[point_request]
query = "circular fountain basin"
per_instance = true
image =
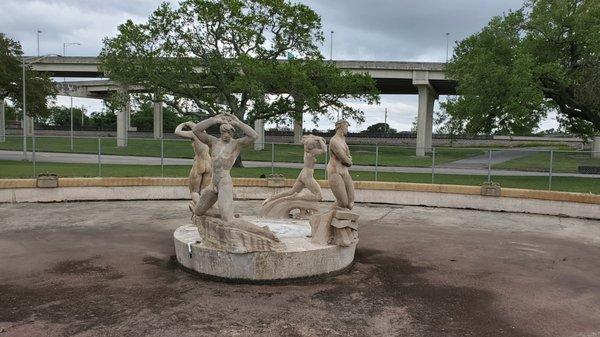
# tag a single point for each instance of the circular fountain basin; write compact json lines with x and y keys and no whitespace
{"x":300,"y":259}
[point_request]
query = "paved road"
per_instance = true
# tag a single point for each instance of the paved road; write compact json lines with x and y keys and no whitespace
{"x":135,"y":160}
{"x":105,"y":269}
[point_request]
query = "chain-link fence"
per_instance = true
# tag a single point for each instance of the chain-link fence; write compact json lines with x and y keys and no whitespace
{"x":549,"y":168}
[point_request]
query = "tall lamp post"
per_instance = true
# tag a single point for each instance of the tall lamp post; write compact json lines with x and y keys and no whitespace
{"x":447,"y":45}
{"x":331,"y":47}
{"x":24,"y":64}
{"x":65,"y":45}
{"x":38,"y":42}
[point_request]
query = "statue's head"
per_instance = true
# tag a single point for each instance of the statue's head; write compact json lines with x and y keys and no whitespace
{"x":342,"y":125}
{"x":310,"y":142}
{"x":227,"y":130}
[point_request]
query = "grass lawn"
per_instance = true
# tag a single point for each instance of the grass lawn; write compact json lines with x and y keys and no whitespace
{"x":19,"y":169}
{"x":361,"y":154}
{"x":540,"y":161}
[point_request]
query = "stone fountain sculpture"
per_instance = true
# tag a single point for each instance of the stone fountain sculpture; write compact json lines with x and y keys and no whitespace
{"x":280,"y":205}
{"x":225,"y":245}
{"x":201,"y":173}
{"x":339,"y":225}
{"x":225,"y":230}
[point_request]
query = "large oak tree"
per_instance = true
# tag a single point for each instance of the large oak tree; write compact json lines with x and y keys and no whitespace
{"x":39,"y":87}
{"x":209,"y":56}
{"x":545,"y":56}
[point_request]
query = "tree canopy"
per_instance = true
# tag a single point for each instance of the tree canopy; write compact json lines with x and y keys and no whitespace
{"x":380,"y":128}
{"x":209,"y":56}
{"x":39,"y":86}
{"x":543,"y":57}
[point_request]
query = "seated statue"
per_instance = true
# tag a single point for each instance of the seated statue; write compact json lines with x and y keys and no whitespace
{"x":224,"y":230}
{"x":339,"y":225}
{"x":280,"y":205}
{"x":201,"y":173}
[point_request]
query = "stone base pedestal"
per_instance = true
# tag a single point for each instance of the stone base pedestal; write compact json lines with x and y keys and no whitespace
{"x":300,"y":258}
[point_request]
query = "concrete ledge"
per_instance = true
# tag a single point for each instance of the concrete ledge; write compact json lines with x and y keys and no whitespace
{"x":359,"y":185}
{"x":452,"y":196}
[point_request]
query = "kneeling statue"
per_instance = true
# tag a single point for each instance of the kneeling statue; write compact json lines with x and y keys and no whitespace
{"x":280,"y":205}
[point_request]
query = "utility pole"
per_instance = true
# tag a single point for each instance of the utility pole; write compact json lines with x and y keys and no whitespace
{"x":385,"y":121}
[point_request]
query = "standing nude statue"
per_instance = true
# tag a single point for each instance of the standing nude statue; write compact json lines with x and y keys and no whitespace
{"x":339,"y":178}
{"x":313,"y":146}
{"x":223,"y":151}
{"x":201,"y":172}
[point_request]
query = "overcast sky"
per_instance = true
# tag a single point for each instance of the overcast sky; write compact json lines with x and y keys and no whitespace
{"x":394,"y":30}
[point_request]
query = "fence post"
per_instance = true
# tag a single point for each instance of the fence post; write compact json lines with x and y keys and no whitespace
{"x":162,"y":159}
{"x":433,"y":165}
{"x":33,"y":153}
{"x":326,"y":161}
{"x":272,"y":158}
{"x":376,"y":160}
{"x":489,"y":177}
{"x":99,"y":157}
{"x":550,"y":170}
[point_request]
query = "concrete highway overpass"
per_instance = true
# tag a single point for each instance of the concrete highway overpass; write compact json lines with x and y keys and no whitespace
{"x":426,"y":79}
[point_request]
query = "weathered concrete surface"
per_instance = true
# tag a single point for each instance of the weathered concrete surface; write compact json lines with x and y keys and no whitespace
{"x":433,"y":198}
{"x":103,"y":269}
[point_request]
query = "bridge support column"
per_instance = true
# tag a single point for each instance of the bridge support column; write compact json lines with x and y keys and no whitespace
{"x":2,"y":121}
{"x":427,"y":97}
{"x":259,"y":127}
{"x":123,"y":116}
{"x":158,"y":120}
{"x":298,"y":130}
{"x":596,"y":147}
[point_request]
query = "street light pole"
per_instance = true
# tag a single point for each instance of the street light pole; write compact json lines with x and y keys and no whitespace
{"x":71,"y":123}
{"x":38,"y":41}
{"x":65,"y":45}
{"x":331,"y":47}
{"x":447,"y":45}
{"x":24,"y":119}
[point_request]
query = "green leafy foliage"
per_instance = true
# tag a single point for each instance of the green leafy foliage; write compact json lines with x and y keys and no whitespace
{"x":206,"y":57}
{"x":39,"y":86}
{"x":545,"y":56}
{"x":380,"y":128}
{"x":60,"y":116}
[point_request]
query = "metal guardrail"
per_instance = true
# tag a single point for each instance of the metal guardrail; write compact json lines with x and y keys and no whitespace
{"x":374,"y":162}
